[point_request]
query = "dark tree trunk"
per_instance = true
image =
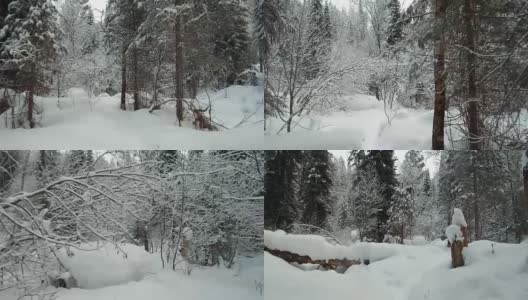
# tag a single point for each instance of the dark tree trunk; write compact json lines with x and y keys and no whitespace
{"x":457,"y":259}
{"x":179,"y":67}
{"x":525,"y":181}
{"x":476,"y":207}
{"x":472,"y":106}
{"x":136,"y":86}
{"x":123,"y":78}
{"x":30,"y":97}
{"x":439,"y":76}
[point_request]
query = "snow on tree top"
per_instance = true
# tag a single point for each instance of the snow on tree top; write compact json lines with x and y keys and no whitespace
{"x":458,"y":218}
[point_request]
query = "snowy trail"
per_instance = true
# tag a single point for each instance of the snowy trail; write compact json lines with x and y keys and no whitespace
{"x":360,"y":124}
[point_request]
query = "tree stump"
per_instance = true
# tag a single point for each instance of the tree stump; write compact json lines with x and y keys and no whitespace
{"x":457,"y":259}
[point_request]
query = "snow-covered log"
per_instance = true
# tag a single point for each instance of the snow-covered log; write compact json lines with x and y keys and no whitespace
{"x":313,"y":249}
{"x":330,"y":263}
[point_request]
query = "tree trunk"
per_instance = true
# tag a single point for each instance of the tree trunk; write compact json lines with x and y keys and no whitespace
{"x":123,"y":77}
{"x":439,"y":75}
{"x":457,"y":259}
{"x":136,"y":86}
{"x":31,"y":104}
{"x":472,"y":106}
{"x":179,"y":67}
{"x":476,"y":208}
{"x":525,"y":181}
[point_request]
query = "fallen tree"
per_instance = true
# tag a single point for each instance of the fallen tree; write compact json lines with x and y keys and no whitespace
{"x":329,"y":264}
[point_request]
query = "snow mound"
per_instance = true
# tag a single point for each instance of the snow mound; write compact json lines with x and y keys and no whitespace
{"x":202,"y":284}
{"x":492,"y":271}
{"x":107,"y":265}
{"x":458,"y":218}
{"x":454,"y":233}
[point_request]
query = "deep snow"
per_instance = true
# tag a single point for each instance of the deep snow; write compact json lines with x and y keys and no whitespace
{"x":360,"y":121}
{"x":410,"y":273}
{"x":108,"y":274}
{"x":80,"y":122}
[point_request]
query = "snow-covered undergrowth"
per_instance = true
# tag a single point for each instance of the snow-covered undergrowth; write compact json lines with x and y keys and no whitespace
{"x":110,"y":273}
{"x":410,"y":273}
{"x":362,"y":122}
{"x":80,"y":122}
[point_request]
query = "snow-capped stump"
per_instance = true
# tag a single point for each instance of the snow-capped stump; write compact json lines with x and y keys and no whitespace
{"x":457,"y":237}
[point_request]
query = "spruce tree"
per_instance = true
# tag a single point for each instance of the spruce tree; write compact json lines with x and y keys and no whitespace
{"x":282,"y":206}
{"x":32,"y":44}
{"x":395,"y":25}
{"x":382,"y":162}
{"x":47,"y":167}
{"x":315,"y":188}
{"x":316,"y":38}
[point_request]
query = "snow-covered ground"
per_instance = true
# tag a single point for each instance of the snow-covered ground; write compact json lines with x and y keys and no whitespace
{"x":81,"y":122}
{"x":107,"y":274}
{"x":493,"y":271}
{"x":361,"y":122}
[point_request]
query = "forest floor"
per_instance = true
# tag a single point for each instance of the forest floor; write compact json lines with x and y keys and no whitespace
{"x":357,"y":122}
{"x":81,"y":122}
{"x":362,"y":122}
{"x":409,"y":273}
{"x":106,"y":274}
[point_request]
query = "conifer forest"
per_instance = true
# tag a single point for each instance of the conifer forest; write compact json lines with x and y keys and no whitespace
{"x":263,"y":149}
{"x":392,"y":74}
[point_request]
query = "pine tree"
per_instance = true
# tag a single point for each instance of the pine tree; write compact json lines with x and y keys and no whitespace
{"x":282,"y":206}
{"x":315,"y":188}
{"x":47,"y":167}
{"x":316,"y":39}
{"x":395,"y":26}
{"x":401,"y":213}
{"x":328,"y":28}
{"x":382,"y":162}
{"x":32,"y":45}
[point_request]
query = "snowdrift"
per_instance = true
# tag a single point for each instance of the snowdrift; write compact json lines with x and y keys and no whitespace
{"x":243,"y":283}
{"x":108,"y":265}
{"x":493,"y":271}
{"x":80,"y":122}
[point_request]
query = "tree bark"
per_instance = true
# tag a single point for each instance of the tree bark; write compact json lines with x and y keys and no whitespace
{"x":476,"y":208}
{"x":179,"y":67}
{"x":457,"y":259}
{"x":30,"y":98}
{"x":123,"y":77}
{"x":525,"y":181}
{"x":136,"y":86}
{"x":472,"y":106}
{"x":439,"y":76}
